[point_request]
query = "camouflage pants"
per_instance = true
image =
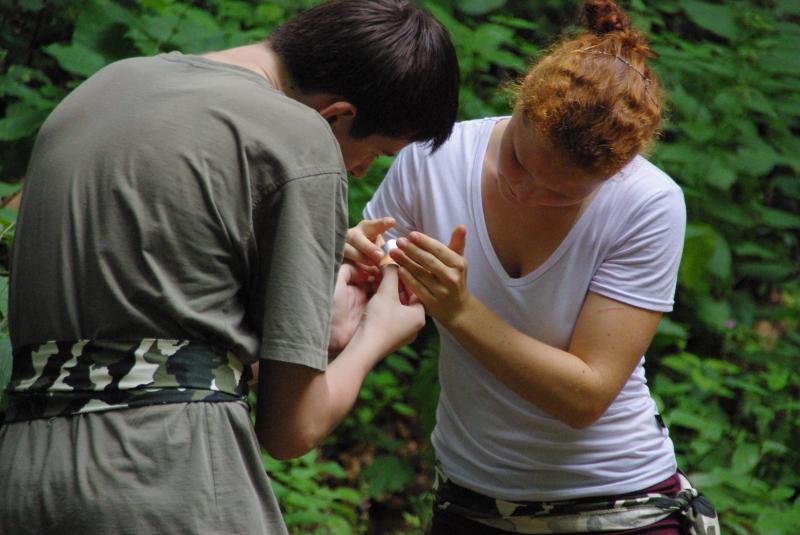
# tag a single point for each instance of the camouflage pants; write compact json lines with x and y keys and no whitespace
{"x":590,"y":515}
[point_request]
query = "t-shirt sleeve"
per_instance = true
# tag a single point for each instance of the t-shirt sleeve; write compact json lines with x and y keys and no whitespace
{"x":300,"y":240}
{"x":395,"y":196}
{"x":641,"y":266}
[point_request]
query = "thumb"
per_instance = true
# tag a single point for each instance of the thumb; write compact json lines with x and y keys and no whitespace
{"x":458,"y":239}
{"x":373,"y":228}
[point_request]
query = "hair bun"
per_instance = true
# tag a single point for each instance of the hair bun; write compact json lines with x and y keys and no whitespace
{"x":604,"y":16}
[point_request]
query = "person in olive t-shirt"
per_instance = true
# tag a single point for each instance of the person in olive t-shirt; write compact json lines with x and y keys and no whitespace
{"x":183,"y":218}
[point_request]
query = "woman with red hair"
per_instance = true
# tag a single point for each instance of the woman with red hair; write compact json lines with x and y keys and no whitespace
{"x":545,"y":423}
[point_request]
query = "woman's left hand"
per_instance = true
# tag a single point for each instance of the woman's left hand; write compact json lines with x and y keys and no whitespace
{"x":435,"y":272}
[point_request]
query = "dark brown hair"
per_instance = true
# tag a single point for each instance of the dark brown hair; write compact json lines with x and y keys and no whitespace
{"x":593,"y":96}
{"x":389,"y":58}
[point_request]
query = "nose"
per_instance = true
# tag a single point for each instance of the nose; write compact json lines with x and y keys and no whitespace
{"x":360,"y":169}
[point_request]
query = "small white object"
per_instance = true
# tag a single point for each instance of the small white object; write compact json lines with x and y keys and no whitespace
{"x":389,"y":245}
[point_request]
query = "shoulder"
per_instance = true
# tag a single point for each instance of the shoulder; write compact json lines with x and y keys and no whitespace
{"x":464,"y":144}
{"x":641,"y":184}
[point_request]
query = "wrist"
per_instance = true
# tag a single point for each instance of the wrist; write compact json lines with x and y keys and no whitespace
{"x":366,"y":347}
{"x":461,"y":318}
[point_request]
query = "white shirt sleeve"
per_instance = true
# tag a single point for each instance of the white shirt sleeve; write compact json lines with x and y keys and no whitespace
{"x":641,"y":266}
{"x":397,"y":195}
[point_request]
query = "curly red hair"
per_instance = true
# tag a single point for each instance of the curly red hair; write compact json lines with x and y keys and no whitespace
{"x":593,"y":96}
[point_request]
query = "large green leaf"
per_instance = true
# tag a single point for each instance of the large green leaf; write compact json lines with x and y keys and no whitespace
{"x":76,"y":58}
{"x":719,"y":19}
{"x":780,"y":219}
{"x":705,"y":252}
{"x":767,"y":271}
{"x":20,"y":121}
{"x":387,"y":473}
{"x":713,"y":312}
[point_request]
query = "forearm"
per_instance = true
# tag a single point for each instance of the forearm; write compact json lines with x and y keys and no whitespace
{"x":300,"y":406}
{"x":558,"y":382}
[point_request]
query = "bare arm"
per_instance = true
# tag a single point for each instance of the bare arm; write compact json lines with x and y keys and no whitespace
{"x":298,"y":406}
{"x":576,"y":386}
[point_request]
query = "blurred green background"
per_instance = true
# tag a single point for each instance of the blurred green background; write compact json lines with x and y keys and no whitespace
{"x":723,"y":366}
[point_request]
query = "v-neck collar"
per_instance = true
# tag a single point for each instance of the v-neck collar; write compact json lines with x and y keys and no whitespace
{"x":479,"y":218}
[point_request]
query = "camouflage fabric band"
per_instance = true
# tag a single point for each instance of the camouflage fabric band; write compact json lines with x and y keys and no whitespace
{"x":590,"y":515}
{"x":66,"y":378}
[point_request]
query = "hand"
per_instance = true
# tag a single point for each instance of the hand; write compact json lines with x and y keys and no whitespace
{"x":349,"y":303}
{"x":389,"y":321}
{"x":364,"y":241}
{"x":437,"y":274}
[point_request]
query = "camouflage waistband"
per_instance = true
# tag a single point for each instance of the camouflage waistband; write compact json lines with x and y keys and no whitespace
{"x":66,"y":378}
{"x":589,"y":515}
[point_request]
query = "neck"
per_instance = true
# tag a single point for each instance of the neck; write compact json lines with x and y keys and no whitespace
{"x":262,"y":60}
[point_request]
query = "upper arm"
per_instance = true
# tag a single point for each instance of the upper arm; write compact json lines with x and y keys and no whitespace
{"x":280,"y":425}
{"x":611,"y":337}
{"x":300,"y":237}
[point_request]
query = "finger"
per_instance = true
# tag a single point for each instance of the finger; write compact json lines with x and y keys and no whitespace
{"x":354,"y":255}
{"x":365,"y":239}
{"x":443,"y":253}
{"x":390,"y":279}
{"x":416,"y":287}
{"x":356,"y":275}
{"x":433,"y":283}
{"x":458,"y":240}
{"x":425,"y":259}
{"x":372,"y":228}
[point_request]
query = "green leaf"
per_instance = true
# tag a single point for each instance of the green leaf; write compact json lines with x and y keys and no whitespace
{"x":7,"y":188}
{"x":766,"y":271}
{"x":714,"y":313}
{"x":76,"y":58}
{"x":479,"y":7}
{"x":404,"y":409}
{"x":20,"y":122}
{"x":745,"y":458}
{"x":667,"y":327}
{"x":720,"y":262}
{"x":789,"y":185}
{"x":690,"y":420}
{"x":720,"y":175}
{"x":346,"y":494}
{"x":387,"y":473}
{"x":716,"y":18}
{"x":100,"y":25}
{"x":700,"y":246}
{"x":755,"y":249}
{"x":779,"y":218}
{"x":399,"y":364}
{"x":757,"y":158}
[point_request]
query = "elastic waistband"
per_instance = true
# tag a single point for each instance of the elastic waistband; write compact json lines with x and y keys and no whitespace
{"x":60,"y":378}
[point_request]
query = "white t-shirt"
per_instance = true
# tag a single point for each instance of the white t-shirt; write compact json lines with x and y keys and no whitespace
{"x":626,"y":246}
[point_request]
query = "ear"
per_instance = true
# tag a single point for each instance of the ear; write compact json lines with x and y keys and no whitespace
{"x":339,"y":114}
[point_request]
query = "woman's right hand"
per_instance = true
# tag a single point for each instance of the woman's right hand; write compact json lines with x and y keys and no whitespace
{"x":364,"y":241}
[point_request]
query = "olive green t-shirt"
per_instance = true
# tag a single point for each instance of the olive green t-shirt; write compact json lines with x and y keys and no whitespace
{"x":182,"y":198}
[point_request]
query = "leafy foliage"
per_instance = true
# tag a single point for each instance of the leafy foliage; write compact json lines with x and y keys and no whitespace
{"x":722,"y":366}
